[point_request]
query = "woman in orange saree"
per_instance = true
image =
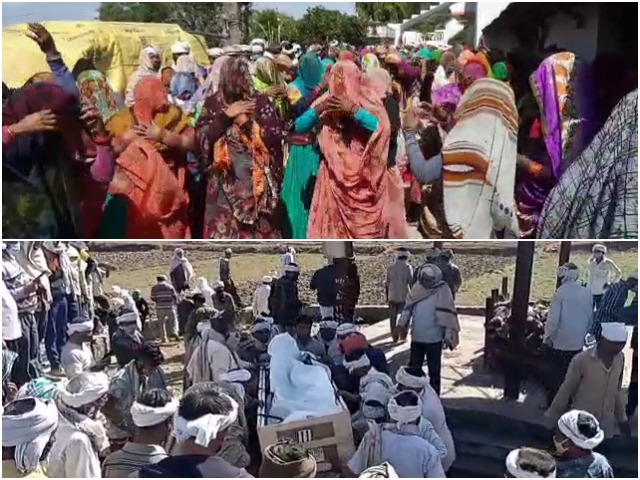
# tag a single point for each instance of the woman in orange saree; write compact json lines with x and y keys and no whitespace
{"x":354,"y":132}
{"x":147,"y":198}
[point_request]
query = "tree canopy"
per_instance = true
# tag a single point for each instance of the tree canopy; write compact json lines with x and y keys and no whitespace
{"x":320,"y":24}
{"x":273,"y":26}
{"x":389,"y":12}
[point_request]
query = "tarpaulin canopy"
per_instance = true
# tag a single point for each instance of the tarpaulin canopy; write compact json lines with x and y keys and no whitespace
{"x":114,"y":47}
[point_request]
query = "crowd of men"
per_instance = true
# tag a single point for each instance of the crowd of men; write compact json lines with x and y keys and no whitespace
{"x":86,"y":418}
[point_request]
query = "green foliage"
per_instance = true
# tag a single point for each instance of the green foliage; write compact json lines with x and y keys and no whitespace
{"x":320,"y":24}
{"x":135,"y":12}
{"x":390,"y":12}
{"x":273,"y":26}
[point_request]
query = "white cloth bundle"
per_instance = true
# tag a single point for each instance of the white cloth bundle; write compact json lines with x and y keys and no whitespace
{"x":204,"y":429}
{"x":97,"y":385}
{"x":29,"y":433}
{"x":568,"y":425}
{"x":381,"y":471}
{"x":145,"y":416}
{"x":239,"y":375}
{"x":215,"y":52}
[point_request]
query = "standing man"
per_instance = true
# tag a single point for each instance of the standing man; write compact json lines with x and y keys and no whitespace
{"x":23,"y":289}
{"x":323,"y":282}
{"x":225,"y":276}
{"x":166,"y":299}
{"x":593,"y":382}
{"x":450,"y":271}
{"x":397,"y":285}
{"x":568,"y":322}
{"x":602,"y":272}
{"x":142,"y":306}
{"x":286,"y":301}
{"x":223,"y":301}
{"x":612,"y":307}
{"x":179,"y":49}
{"x":260,"y":304}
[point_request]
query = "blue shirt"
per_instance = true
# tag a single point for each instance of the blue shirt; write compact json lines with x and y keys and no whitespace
{"x":591,"y":466}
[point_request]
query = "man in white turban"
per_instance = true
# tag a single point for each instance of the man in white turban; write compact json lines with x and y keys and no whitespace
{"x":577,"y":435}
{"x":602,"y":272}
{"x":76,"y":356}
{"x":592,"y":383}
{"x":568,"y":322}
{"x":179,"y":49}
{"x":399,"y":443}
{"x":28,"y":427}
{"x":530,"y":463}
{"x":214,"y":53}
{"x":81,"y":438}
{"x":152,"y":414}
{"x":260,"y":304}
{"x":414,"y":378}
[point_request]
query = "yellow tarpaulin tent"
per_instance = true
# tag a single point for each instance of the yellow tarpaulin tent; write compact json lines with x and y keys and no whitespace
{"x":114,"y":48}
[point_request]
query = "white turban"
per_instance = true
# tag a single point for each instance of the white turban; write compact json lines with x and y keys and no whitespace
{"x":615,"y":332}
{"x":328,"y":324}
{"x":404,"y":415}
{"x":568,"y":425}
{"x":145,"y":416}
{"x":127,"y":318}
{"x":218,"y":285}
{"x":599,"y":248}
{"x":567,"y":274}
{"x":260,"y":327}
{"x":259,"y":41}
{"x":267,"y":320}
{"x":245,"y":48}
{"x":361,"y":362}
{"x":96,"y":385}
{"x":239,"y":375}
{"x":267,"y":279}
{"x":180,"y":48}
{"x":404,"y":378}
{"x":514,"y":469}
{"x":257,"y":49}
{"x":215,"y":52}
{"x":402,"y":253}
{"x":30,"y":433}
{"x":346,"y":329}
{"x":292,"y":267}
{"x":80,"y":327}
{"x":381,"y":471}
{"x":204,"y":429}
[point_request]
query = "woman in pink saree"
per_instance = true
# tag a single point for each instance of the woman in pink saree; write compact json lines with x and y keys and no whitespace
{"x":351,"y":194}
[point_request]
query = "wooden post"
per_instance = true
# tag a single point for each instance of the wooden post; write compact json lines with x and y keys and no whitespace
{"x":438,"y":245}
{"x":505,"y":288}
{"x":563,"y":257}
{"x":488,"y":315}
{"x":519,"y":308}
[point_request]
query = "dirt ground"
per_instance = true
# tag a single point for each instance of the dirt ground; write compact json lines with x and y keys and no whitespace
{"x":482,"y":264}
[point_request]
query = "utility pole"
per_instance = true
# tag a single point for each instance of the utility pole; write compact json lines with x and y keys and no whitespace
{"x":513,"y":370}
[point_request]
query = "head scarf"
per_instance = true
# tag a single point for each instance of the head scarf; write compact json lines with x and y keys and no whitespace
{"x":183,"y":83}
{"x":448,"y":95}
{"x":597,"y":196}
{"x":144,"y":416}
{"x":180,"y":259}
{"x":568,"y":425}
{"x":347,"y":56}
{"x":186,"y":64}
{"x":205,"y":429}
{"x":211,"y":84}
{"x":404,"y":415}
{"x":29,"y":433}
{"x":266,"y":74}
{"x":384,"y":470}
{"x":568,"y":273}
{"x":150,"y":98}
{"x":425,"y":54}
{"x":235,"y":81}
{"x":311,"y":72}
{"x":429,"y":276}
{"x":94,"y":89}
{"x":615,"y":332}
{"x":513,"y":467}
{"x":475,"y":69}
{"x":410,"y":381}
{"x":144,"y":70}
{"x":276,"y":462}
{"x":327,"y":63}
{"x":500,"y":71}
{"x":350,"y":182}
{"x":381,"y":79}
{"x":465,"y":56}
{"x":39,"y":388}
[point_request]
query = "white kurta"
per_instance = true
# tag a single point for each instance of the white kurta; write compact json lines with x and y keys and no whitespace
{"x":219,"y":358}
{"x":433,"y":411}
{"x":261,"y":300}
{"x":72,"y":455}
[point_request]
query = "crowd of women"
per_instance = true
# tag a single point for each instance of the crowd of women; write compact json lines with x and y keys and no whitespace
{"x":329,"y":143}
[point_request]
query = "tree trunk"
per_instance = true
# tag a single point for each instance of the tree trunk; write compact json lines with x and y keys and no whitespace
{"x":231,"y":11}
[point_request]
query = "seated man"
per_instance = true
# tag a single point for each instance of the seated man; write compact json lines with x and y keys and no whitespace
{"x":349,"y":340}
{"x":398,"y":443}
{"x":366,"y":377}
{"x":327,"y":335}
{"x":306,"y":343}
{"x":127,"y":340}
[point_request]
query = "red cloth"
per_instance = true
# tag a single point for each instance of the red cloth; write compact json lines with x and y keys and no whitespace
{"x":354,"y":342}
